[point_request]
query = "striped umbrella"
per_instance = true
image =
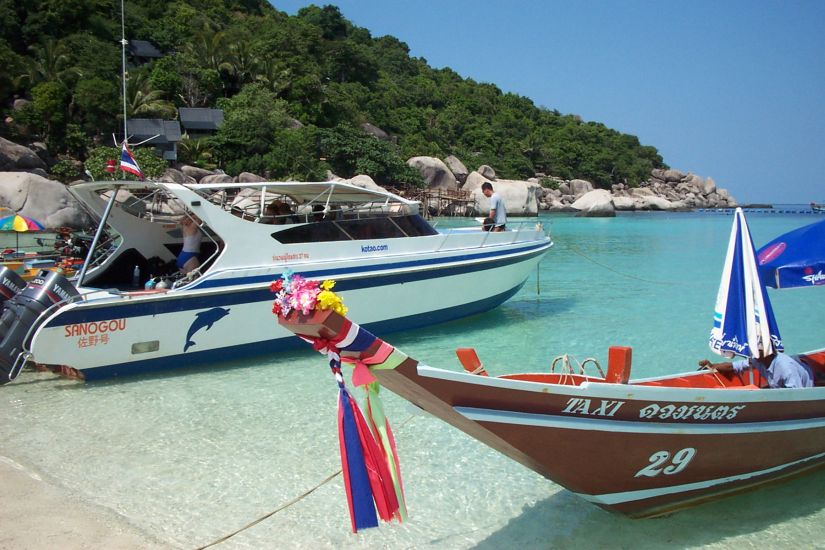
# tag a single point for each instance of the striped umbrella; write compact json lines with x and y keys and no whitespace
{"x":19,"y":224}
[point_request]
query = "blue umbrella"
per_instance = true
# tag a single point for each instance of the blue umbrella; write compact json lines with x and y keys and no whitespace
{"x":743,"y":323}
{"x":795,"y":259}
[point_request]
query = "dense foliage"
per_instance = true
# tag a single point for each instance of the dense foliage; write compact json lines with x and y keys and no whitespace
{"x":295,"y":90}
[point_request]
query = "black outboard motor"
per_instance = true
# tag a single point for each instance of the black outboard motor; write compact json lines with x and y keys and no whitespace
{"x":11,"y":284}
{"x":21,"y":314}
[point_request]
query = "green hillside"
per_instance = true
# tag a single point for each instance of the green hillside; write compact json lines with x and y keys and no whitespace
{"x":295,"y":91}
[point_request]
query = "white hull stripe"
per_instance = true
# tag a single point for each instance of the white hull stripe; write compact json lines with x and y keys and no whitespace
{"x":627,"y":426}
{"x":630,"y":496}
{"x":633,"y":392}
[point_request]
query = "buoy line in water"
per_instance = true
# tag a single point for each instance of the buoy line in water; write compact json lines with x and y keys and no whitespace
{"x":285,"y":505}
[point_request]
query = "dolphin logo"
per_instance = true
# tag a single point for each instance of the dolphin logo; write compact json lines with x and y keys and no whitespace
{"x":204,"y":319}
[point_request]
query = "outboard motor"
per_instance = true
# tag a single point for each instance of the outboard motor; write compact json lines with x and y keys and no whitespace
{"x":22,"y":313}
{"x":11,"y":284}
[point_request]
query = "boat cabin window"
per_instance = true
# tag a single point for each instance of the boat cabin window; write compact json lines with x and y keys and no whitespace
{"x":357,"y":229}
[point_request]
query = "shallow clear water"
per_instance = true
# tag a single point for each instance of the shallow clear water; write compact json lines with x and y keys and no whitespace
{"x":192,"y":456}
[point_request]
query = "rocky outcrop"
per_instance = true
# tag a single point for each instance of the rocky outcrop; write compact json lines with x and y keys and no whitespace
{"x":14,"y":157}
{"x":664,"y":190}
{"x":434,"y":171}
{"x":195,"y":172}
{"x":45,"y":200}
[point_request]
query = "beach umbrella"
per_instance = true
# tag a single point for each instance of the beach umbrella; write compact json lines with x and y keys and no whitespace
{"x":795,"y":259}
{"x":743,"y":321}
{"x":19,"y":224}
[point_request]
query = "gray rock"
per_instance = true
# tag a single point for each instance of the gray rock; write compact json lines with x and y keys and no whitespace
{"x":21,"y":104}
{"x":457,"y":168}
{"x":624,"y":203}
{"x":564,"y":187}
{"x":176,"y":176}
{"x":671,"y":176}
{"x":580,"y":187}
{"x":217,"y":178}
{"x":249,"y":177}
{"x":434,"y":171}
{"x":195,"y":172}
{"x":595,"y":204}
{"x":16,"y":157}
{"x":45,"y":200}
{"x":708,"y":186}
{"x":487,"y":172}
{"x":42,"y":151}
{"x":375,"y":131}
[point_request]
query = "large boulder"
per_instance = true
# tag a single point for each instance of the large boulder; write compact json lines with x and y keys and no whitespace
{"x":487,"y":172}
{"x":624,"y":203}
{"x":654,"y":202}
{"x":434,"y":171}
{"x":249,"y":177}
{"x":217,"y":178}
{"x":16,"y":157}
{"x":521,"y":198}
{"x":176,"y":176}
{"x":195,"y":172}
{"x":364,"y":181}
{"x":45,"y":200}
{"x":595,"y":204}
{"x":457,"y":168}
{"x":580,"y":187}
{"x":375,"y":131}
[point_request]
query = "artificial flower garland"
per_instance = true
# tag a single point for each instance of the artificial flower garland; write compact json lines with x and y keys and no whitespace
{"x":295,"y":293}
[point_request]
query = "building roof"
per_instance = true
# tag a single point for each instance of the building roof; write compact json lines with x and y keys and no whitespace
{"x":140,"y":129}
{"x":197,"y":118}
{"x":142,"y":48}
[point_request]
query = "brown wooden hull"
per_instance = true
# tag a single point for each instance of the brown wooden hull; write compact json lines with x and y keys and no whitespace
{"x":641,"y":449}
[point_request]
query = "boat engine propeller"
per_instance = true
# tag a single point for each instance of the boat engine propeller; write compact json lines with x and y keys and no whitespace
{"x":22,"y":315}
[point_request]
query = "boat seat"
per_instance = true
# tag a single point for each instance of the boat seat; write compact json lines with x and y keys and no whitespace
{"x":470,"y":361}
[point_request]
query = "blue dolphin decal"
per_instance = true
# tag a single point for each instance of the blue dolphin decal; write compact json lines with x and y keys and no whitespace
{"x":204,"y":319}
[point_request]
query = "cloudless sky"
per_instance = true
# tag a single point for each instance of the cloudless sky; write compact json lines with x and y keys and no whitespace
{"x":728,"y":89}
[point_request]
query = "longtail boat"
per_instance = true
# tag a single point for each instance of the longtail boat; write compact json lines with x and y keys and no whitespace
{"x":640,"y":447}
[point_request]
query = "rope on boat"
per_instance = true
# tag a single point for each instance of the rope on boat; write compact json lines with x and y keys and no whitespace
{"x":285,"y":505}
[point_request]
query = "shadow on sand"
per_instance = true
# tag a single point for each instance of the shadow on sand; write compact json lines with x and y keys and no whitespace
{"x":567,"y":521}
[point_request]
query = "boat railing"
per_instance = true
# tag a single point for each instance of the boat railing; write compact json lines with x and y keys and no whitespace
{"x":523,"y":232}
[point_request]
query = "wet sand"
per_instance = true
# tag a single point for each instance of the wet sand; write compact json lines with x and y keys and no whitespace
{"x":35,"y":514}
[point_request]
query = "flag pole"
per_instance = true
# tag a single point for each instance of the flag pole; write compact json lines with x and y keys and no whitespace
{"x":123,"y":44}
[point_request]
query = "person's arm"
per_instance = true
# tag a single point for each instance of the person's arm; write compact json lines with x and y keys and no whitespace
{"x":725,"y":366}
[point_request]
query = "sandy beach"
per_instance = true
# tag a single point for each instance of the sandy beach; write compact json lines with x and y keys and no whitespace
{"x":35,"y":514}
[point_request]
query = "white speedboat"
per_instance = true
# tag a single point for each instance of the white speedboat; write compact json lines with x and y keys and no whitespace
{"x":393,"y":268}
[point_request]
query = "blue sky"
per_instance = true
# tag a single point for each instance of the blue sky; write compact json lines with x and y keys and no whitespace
{"x":728,"y":89}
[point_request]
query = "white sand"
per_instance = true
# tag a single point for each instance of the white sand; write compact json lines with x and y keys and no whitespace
{"x":35,"y":515}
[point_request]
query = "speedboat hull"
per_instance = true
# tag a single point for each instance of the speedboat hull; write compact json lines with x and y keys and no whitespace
{"x":151,"y":331}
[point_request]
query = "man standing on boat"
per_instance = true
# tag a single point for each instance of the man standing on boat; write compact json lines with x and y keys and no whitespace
{"x":498,"y":212}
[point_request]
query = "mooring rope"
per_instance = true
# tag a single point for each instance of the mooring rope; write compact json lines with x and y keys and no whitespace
{"x":286,"y":504}
{"x":627,"y":275}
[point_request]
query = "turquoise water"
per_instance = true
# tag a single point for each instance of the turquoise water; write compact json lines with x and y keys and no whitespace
{"x":192,"y":456}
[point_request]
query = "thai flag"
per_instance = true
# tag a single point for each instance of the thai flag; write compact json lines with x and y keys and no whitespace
{"x":128,"y":162}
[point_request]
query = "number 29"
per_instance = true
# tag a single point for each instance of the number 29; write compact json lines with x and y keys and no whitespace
{"x":661,"y":463}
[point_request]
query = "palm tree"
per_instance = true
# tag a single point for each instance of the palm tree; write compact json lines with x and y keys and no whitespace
{"x":50,"y":62}
{"x":142,"y":100}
